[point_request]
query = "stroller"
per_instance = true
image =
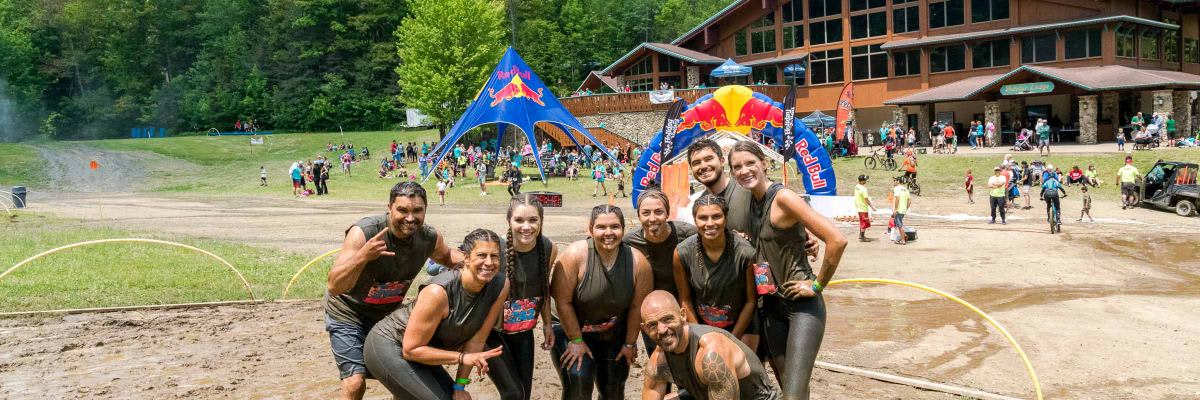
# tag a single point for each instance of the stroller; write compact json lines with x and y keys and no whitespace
{"x":1022,"y":142}
{"x":1148,"y":140}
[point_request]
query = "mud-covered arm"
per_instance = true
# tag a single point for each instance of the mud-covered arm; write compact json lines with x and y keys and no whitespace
{"x":835,"y":243}
{"x":643,"y":282}
{"x":684,"y":288}
{"x":562,"y":289}
{"x":656,"y":378}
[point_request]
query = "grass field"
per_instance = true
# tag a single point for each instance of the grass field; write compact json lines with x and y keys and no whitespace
{"x":121,"y":274}
{"x":20,"y":165}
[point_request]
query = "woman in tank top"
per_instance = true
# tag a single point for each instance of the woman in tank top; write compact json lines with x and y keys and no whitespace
{"x":529,"y":256}
{"x":598,"y":287}
{"x":714,"y":271}
{"x":793,"y":311}
{"x":447,"y":324}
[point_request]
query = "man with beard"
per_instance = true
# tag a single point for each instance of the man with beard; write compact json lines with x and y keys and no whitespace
{"x":704,"y":361}
{"x":380,"y":257}
{"x":656,"y":238}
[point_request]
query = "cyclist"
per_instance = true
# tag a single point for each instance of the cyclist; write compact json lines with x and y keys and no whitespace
{"x":1051,"y":188}
{"x":910,"y":166}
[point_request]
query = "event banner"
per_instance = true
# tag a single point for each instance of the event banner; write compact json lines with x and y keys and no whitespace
{"x":844,"y":106}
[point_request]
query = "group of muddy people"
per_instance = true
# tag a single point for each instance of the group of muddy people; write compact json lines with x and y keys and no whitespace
{"x":711,"y":302}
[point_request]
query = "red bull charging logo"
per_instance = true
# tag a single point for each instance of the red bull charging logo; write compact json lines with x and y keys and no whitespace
{"x":735,"y":109}
{"x":515,"y":88}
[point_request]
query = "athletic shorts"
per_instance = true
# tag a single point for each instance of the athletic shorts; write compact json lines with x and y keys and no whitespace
{"x":864,"y":220}
{"x":899,"y":219}
{"x":347,"y":340}
{"x":296,"y":183}
{"x":1128,"y":189}
{"x":1043,"y":142}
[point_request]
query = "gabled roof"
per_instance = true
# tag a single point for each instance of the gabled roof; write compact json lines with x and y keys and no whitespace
{"x":1092,"y":79}
{"x":692,"y":56}
{"x":776,"y":60}
{"x":598,"y":77}
{"x":711,"y":20}
{"x":958,"y":37}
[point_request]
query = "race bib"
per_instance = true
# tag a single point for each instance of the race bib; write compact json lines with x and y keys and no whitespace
{"x":717,"y":316}
{"x":520,"y":315}
{"x":763,"y":282}
{"x":387,"y":292}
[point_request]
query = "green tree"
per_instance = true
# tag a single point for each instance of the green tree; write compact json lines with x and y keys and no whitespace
{"x":447,"y":48}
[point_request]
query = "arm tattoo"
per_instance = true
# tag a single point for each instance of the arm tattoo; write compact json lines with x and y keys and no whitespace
{"x":719,"y":379}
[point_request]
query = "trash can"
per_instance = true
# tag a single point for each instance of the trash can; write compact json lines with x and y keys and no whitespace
{"x":18,"y":196}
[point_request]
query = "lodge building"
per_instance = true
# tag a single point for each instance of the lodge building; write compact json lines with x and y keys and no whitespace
{"x":1086,"y":65}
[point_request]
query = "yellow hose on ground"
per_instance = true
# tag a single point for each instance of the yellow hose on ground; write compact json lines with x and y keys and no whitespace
{"x":132,"y":240}
{"x":305,"y":267}
{"x":1037,"y":387}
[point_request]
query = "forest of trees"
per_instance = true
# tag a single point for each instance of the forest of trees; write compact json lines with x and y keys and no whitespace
{"x":95,"y":68}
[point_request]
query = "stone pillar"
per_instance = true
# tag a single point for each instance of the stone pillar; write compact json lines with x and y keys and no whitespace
{"x":693,"y":76}
{"x":1164,"y":102}
{"x":1183,"y":112}
{"x":898,"y":118}
{"x":924,"y":123}
{"x":1108,"y":106}
{"x":1087,"y":119}
{"x":991,"y":113}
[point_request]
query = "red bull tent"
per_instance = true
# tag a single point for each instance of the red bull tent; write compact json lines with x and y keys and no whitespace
{"x":514,"y":95}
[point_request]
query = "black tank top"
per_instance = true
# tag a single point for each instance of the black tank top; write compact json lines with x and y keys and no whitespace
{"x":468,"y":312}
{"x":602,"y":297}
{"x":718,"y":287}
{"x":661,"y":255}
{"x":527,"y":289}
{"x":754,"y":386}
{"x":384,"y":281}
{"x":781,"y":249}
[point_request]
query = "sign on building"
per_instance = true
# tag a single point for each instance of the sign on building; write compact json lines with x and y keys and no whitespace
{"x":1018,"y":89}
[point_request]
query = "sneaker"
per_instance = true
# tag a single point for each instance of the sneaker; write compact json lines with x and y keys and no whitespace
{"x":992,"y":222}
{"x":1003,"y":222}
{"x":1079,"y":220}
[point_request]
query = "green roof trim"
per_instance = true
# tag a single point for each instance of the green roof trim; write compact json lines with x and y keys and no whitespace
{"x":932,"y":40}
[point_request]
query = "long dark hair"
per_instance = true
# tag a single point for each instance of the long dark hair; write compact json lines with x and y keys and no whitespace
{"x":510,"y":251}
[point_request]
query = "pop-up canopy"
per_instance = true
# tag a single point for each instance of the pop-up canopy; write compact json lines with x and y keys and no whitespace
{"x":514,"y":95}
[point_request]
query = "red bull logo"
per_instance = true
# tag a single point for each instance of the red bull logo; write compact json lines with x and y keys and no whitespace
{"x":708,"y":115}
{"x":757,"y":114}
{"x":515,"y":88}
{"x":812,"y":165}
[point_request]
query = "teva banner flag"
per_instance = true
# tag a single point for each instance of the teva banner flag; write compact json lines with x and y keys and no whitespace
{"x":844,"y":105}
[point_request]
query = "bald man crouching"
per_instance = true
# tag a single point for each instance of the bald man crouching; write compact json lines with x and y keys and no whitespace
{"x":705,"y":362}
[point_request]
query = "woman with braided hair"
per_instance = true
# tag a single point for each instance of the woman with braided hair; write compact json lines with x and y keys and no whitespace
{"x":529,"y":256}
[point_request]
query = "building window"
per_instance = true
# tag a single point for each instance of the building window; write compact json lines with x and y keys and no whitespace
{"x":1148,"y":44}
{"x":767,"y":20}
{"x":825,"y":32}
{"x":988,"y":10}
{"x":1038,"y":48}
{"x":640,"y":85}
{"x":822,"y":8}
{"x":793,"y":36}
{"x":896,"y":2}
{"x":1125,"y":42}
{"x":948,"y":58}
{"x":826,"y":66}
{"x":765,"y":74}
{"x":1171,"y":43}
{"x":793,"y":11}
{"x":868,"y":62}
{"x":859,"y":5}
{"x":868,"y":25}
{"x":1190,"y":53}
{"x":739,"y":43}
{"x":906,"y":19}
{"x":945,"y":13}
{"x":989,"y":54}
{"x":762,"y":41}
{"x":907,"y":62}
{"x":1081,"y":44}
{"x":643,"y":66}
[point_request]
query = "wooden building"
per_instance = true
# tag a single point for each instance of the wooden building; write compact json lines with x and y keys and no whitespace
{"x":1088,"y":65}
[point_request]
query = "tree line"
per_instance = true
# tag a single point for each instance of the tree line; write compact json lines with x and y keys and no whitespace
{"x":78,"y":69}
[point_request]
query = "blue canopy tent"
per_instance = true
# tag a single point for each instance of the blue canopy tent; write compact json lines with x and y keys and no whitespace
{"x":818,"y":119}
{"x":514,"y":95}
{"x":730,"y":69}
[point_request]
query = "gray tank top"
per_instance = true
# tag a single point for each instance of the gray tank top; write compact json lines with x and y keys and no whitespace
{"x":527,"y":289}
{"x":661,"y":255}
{"x":468,"y":312}
{"x":602,"y":297}
{"x":738,"y":200}
{"x":381,"y":286}
{"x":781,"y":249}
{"x":754,"y":386}
{"x":718,"y":287}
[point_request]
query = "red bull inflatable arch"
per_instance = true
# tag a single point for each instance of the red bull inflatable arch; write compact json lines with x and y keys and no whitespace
{"x":738,"y":109}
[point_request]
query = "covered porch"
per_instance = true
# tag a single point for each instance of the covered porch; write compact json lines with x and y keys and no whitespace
{"x":1084,"y":105}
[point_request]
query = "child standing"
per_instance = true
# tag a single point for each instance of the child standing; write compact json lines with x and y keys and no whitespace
{"x":1087,"y":205}
{"x":970,"y":186}
{"x":262,"y":176}
{"x":1120,"y":139}
{"x":618,"y":174}
{"x":441,"y":187}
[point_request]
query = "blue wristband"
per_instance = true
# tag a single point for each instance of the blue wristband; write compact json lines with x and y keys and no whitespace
{"x":458,"y":387}
{"x":816,"y":287}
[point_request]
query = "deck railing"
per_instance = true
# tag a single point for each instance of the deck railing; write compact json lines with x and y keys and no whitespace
{"x":640,"y":101}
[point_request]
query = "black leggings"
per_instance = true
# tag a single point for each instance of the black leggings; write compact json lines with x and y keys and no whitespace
{"x":403,"y":378}
{"x":792,"y":331}
{"x":997,"y":203}
{"x":604,"y":371}
{"x":512,"y":371}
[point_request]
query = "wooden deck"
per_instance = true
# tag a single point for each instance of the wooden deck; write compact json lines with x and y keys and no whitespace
{"x":606,"y":137}
{"x":640,"y":101}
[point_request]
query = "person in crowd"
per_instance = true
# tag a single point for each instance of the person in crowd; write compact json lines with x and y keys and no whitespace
{"x":969,"y":186}
{"x":706,"y":362}
{"x":296,"y":171}
{"x":910,"y":164}
{"x":346,"y":160}
{"x":793,"y":311}
{"x":1026,"y":179}
{"x":598,"y":176}
{"x":1090,"y":176}
{"x":862,"y":204}
{"x":971,"y":136}
{"x":530,"y":255}
{"x":447,"y":324}
{"x":514,"y":180}
{"x":656,"y":239}
{"x":1087,"y":205}
{"x":380,"y":257}
{"x":1127,"y":178}
{"x":990,"y":134}
{"x":714,"y":271}
{"x":1043,"y":132}
{"x":951,"y":141}
{"x":481,"y":176}
{"x":619,"y":176}
{"x":598,"y":285}
{"x":997,"y":190}
{"x":441,"y":190}
{"x":1075,"y":176}
{"x":318,"y":172}
{"x":262,"y":175}
{"x":1120,"y":139}
{"x":900,"y":202}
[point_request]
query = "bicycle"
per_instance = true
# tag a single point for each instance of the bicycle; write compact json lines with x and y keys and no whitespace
{"x":879,"y":157}
{"x":911,"y":184}
{"x":1054,"y":215}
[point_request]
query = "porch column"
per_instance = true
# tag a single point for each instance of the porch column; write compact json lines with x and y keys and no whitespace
{"x":1183,"y":112}
{"x":1164,"y":102}
{"x":1108,"y":106}
{"x":693,"y":76}
{"x":924,"y":123}
{"x":1087,"y":119}
{"x":1016,"y":106}
{"x":991,"y":113}
{"x":898,"y":118}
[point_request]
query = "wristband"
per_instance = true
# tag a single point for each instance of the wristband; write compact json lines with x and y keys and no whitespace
{"x":460,"y":357}
{"x":817,"y":287}
{"x":458,"y":388}
{"x":577,"y":340}
{"x":463,"y":381}
{"x":631,"y":345}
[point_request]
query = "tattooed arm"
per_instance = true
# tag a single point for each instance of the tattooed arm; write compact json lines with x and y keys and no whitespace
{"x":656,"y":378}
{"x":717,"y":367}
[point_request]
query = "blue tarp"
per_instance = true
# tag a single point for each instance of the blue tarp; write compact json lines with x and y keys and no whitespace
{"x":730,"y":68}
{"x":514,"y":95}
